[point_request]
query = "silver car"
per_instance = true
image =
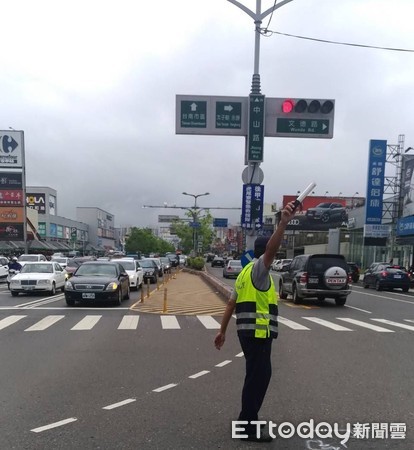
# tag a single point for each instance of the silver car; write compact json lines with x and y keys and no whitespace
{"x":232,"y":268}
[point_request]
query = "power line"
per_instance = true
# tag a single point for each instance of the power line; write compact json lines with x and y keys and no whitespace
{"x":267,"y":33}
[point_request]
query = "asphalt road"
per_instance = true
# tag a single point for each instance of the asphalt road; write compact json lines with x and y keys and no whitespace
{"x":72,"y":378}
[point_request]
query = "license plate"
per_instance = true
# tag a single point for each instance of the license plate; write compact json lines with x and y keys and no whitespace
{"x":397,"y":276}
{"x":28,"y":288}
{"x":313,"y":280}
{"x":88,"y":295}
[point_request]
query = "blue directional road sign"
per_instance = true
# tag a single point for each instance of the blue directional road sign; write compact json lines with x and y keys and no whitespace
{"x":220,"y":223}
{"x":252,"y":206}
{"x":247,"y":257}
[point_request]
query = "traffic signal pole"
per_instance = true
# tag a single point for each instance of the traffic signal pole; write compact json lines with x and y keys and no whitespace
{"x":254,"y":173}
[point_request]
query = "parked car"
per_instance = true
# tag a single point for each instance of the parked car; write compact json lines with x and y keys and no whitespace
{"x":274,"y":264}
{"x":62,"y":260}
{"x":327,"y":212}
{"x":173,"y":258}
{"x":38,"y":277}
{"x":74,"y":263}
{"x":159,"y":266}
{"x":150,"y":270}
{"x":354,"y":271}
{"x":319,"y":276}
{"x":4,"y":268}
{"x":134,"y":271}
{"x":218,"y":261}
{"x":23,"y":259}
{"x":232,"y":268}
{"x":385,"y":276}
{"x":96,"y":281}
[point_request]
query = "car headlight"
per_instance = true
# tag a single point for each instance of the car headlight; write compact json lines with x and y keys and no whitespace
{"x":14,"y":282}
{"x":68,"y":286}
{"x":112,"y":287}
{"x":150,"y":272}
{"x":43,"y":281}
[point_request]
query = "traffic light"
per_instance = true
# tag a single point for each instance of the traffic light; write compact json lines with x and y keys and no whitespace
{"x":300,"y":117}
{"x":306,"y":106}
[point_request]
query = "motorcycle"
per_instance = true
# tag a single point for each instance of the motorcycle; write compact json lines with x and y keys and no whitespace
{"x":11,"y":274}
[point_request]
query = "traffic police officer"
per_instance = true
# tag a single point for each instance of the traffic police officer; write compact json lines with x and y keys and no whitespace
{"x":255,"y":300}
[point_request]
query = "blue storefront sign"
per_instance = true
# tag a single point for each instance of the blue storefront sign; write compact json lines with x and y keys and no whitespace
{"x":375,"y":181}
{"x":405,"y":226}
{"x":252,"y":206}
{"x":220,"y":223}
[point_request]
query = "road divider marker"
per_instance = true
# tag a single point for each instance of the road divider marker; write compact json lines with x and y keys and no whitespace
{"x":164,"y":388}
{"x":224,"y":363}
{"x":117,"y":405}
{"x":199,"y":374}
{"x":54,"y":425}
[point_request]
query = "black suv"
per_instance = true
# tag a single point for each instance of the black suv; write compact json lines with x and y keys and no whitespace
{"x":317,"y":276}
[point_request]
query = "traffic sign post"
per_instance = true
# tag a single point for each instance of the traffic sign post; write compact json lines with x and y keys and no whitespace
{"x":252,"y":207}
{"x":255,"y":138}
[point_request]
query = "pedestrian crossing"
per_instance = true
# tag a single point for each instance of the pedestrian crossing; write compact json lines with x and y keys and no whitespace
{"x":171,"y":322}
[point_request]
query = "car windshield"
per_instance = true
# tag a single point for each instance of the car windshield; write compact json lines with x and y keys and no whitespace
{"x":60,"y":260}
{"x":323,"y":205}
{"x":128,"y":265}
{"x":97,"y":270}
{"x":73,"y":264}
{"x":28,"y":258}
{"x":165,"y":260}
{"x":37,"y":268}
{"x":146,"y":263}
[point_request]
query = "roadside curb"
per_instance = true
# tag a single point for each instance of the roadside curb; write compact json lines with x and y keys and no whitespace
{"x":223,"y":289}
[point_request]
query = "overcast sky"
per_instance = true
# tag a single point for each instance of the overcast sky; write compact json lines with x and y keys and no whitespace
{"x":93,"y":86}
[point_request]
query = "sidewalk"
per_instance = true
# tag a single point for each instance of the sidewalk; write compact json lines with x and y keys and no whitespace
{"x":188,"y":293}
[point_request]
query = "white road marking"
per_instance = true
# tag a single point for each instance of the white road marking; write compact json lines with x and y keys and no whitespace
{"x":170,"y":323}
{"x":291,"y":324}
{"x":54,"y":425}
{"x":239,"y":355}
{"x":396,"y":324}
{"x":199,"y":374}
{"x":117,"y":405}
{"x":224,"y":363}
{"x":409,"y":320}
{"x":390,"y":298}
{"x":87,"y":323}
{"x":209,"y":322}
{"x":366,"y":325}
{"x":129,"y":323}
{"x":40,"y":300}
{"x":7,"y":321}
{"x":358,"y":309}
{"x":327,"y":324}
{"x":44,"y":323}
{"x":164,"y":388}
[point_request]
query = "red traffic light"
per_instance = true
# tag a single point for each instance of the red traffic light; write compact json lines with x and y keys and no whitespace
{"x":287,"y":106}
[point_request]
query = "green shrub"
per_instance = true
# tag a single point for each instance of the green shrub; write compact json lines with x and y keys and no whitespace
{"x":196,"y":263}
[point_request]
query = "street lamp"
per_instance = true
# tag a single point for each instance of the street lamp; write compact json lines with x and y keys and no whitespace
{"x":194,"y":212}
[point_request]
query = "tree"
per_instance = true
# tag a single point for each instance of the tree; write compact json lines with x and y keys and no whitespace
{"x":143,"y":240}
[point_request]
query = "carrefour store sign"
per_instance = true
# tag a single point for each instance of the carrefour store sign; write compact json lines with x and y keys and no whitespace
{"x":405,"y":226}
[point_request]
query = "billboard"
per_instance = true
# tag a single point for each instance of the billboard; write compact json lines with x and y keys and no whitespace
{"x":321,"y":213}
{"x":408,"y":185}
{"x":37,"y":202}
{"x":11,"y":197}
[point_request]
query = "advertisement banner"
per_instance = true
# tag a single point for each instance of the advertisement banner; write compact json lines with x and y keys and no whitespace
{"x":321,"y":213}
{"x":11,"y":180}
{"x":52,"y":205}
{"x":408,"y":185}
{"x":375,"y":181}
{"x":11,"y":149}
{"x":11,"y":232}
{"x":37,"y":202}
{"x":11,"y":214}
{"x":11,"y":197}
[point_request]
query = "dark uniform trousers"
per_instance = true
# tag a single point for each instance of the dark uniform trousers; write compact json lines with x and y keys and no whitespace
{"x":257,"y":352}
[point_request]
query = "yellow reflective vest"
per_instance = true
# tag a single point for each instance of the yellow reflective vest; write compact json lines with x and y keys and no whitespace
{"x":256,"y":311}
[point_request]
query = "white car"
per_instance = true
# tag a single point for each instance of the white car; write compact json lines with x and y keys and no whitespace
{"x":23,"y":259}
{"x":4,"y":268}
{"x":281,"y":263}
{"x":134,"y":271}
{"x":37,"y":277}
{"x":61,"y":260}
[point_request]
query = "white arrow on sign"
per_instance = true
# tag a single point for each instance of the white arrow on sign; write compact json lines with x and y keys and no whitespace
{"x":324,"y":127}
{"x":228,"y":108}
{"x":193,"y":106}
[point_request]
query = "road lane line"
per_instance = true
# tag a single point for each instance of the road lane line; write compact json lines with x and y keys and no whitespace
{"x":395,"y":324}
{"x":129,"y":323}
{"x":359,"y":309}
{"x":7,"y":321}
{"x":44,"y":323}
{"x":239,"y":355}
{"x":326,"y":323}
{"x":54,"y":425}
{"x":209,"y":322}
{"x":366,"y":325}
{"x":291,"y":324}
{"x":199,"y":374}
{"x":409,"y":320}
{"x":87,"y":323}
{"x":390,"y":298}
{"x":170,"y":323}
{"x":164,"y":388}
{"x":39,"y":300}
{"x":117,"y":405}
{"x":224,"y":363}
